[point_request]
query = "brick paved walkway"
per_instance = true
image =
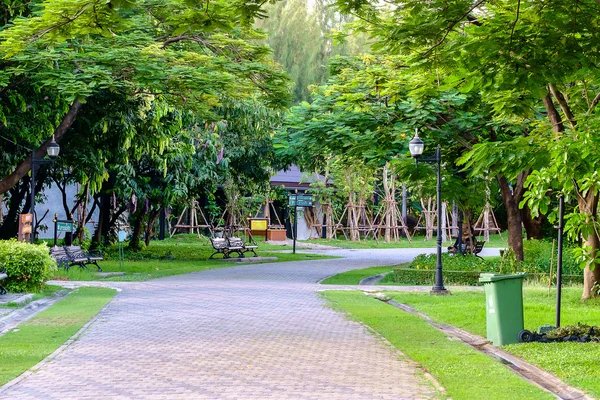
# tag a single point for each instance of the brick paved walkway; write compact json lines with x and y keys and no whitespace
{"x":248,"y":332}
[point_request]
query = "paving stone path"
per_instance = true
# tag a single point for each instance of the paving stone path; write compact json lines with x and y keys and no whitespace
{"x":247,"y":332}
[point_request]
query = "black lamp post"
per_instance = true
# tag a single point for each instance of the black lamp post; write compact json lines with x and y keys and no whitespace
{"x":416,"y":147}
{"x":52,"y":149}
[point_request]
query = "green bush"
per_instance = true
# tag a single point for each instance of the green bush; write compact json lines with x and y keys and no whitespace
{"x":419,"y":277}
{"x":454,"y":263}
{"x":28,"y":266}
{"x":537,"y":254}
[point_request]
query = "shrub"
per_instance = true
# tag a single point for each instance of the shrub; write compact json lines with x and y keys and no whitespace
{"x":28,"y":266}
{"x":419,"y":277}
{"x":537,"y":254}
{"x":454,"y":263}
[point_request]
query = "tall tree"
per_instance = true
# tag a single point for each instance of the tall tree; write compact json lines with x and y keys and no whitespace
{"x":534,"y":63}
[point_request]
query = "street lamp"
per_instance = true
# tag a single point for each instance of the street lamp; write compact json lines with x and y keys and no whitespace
{"x":416,"y":147}
{"x":52,"y":149}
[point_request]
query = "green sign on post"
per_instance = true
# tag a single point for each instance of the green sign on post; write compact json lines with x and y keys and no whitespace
{"x":64,"y":226}
{"x":301,"y":200}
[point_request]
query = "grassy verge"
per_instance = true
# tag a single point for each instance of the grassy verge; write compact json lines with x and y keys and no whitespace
{"x":417,"y":242}
{"x":575,"y":363}
{"x":180,"y":255}
{"x":355,"y":276}
{"x":37,"y":338}
{"x":461,"y":370}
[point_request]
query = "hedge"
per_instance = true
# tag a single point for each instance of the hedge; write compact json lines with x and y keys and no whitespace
{"x":28,"y":266}
{"x":419,"y":277}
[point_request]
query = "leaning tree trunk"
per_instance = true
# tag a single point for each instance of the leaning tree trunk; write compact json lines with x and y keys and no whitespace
{"x":25,"y":166}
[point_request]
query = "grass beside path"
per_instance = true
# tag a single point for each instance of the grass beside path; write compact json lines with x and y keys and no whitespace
{"x":34,"y":340}
{"x":355,"y":276}
{"x":464,"y":372}
{"x":498,"y":241}
{"x":575,"y":363}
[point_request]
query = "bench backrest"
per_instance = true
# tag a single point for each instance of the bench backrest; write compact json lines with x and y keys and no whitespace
{"x":58,"y":251}
{"x":73,"y":248}
{"x":218,"y":243}
{"x":478,"y":247}
{"x":235,"y":242}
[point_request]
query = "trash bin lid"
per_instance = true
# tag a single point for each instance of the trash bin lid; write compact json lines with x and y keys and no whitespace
{"x":489,"y":277}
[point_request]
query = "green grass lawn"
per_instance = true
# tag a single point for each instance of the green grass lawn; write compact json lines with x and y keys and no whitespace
{"x":35,"y":339}
{"x":355,"y":276}
{"x":180,"y":255}
{"x":462,"y":371}
{"x":499,"y":241}
{"x":575,"y":363}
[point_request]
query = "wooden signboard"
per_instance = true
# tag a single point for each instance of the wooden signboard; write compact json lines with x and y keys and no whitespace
{"x":25,"y":227}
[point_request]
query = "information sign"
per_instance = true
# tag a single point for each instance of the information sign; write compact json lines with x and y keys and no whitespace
{"x":63,"y":226}
{"x":301,"y":200}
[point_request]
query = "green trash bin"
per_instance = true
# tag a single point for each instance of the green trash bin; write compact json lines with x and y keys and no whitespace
{"x":504,"y":307}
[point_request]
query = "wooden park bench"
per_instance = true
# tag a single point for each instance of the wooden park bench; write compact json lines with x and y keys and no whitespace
{"x":239,"y":243}
{"x":478,"y":248}
{"x":467,"y":249}
{"x":68,"y":256}
{"x":222,"y":246}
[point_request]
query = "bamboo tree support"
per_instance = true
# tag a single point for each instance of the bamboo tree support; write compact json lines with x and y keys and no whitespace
{"x":428,"y":212}
{"x":448,"y":221}
{"x":551,"y":266}
{"x":393,"y":223}
{"x":486,"y":222}
{"x":191,"y":217}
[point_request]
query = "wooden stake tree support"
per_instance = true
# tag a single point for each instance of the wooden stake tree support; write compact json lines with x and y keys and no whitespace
{"x":188,"y":220}
{"x":393,"y":224}
{"x":486,"y":222}
{"x":429,"y":215}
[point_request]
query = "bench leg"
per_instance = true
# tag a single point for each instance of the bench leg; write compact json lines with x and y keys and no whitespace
{"x":97,"y":266}
{"x":80,"y":264}
{"x":217,"y":252}
{"x":2,"y":290}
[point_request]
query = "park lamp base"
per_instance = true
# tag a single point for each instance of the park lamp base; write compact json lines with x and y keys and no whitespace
{"x":439,"y":291}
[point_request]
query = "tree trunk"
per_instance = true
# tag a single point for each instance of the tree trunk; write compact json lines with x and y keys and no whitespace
{"x":10,"y":225}
{"x":138,"y":223}
{"x":22,"y":169}
{"x":150,"y":226}
{"x":101,"y":234}
{"x":511,"y":202}
{"x":591,"y":275}
{"x":533,"y":226}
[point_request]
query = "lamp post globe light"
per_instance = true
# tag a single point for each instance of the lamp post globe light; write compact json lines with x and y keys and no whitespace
{"x":416,"y":147}
{"x":52,"y":149}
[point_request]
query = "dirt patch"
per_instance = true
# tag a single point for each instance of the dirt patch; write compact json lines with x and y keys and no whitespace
{"x":53,"y":321}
